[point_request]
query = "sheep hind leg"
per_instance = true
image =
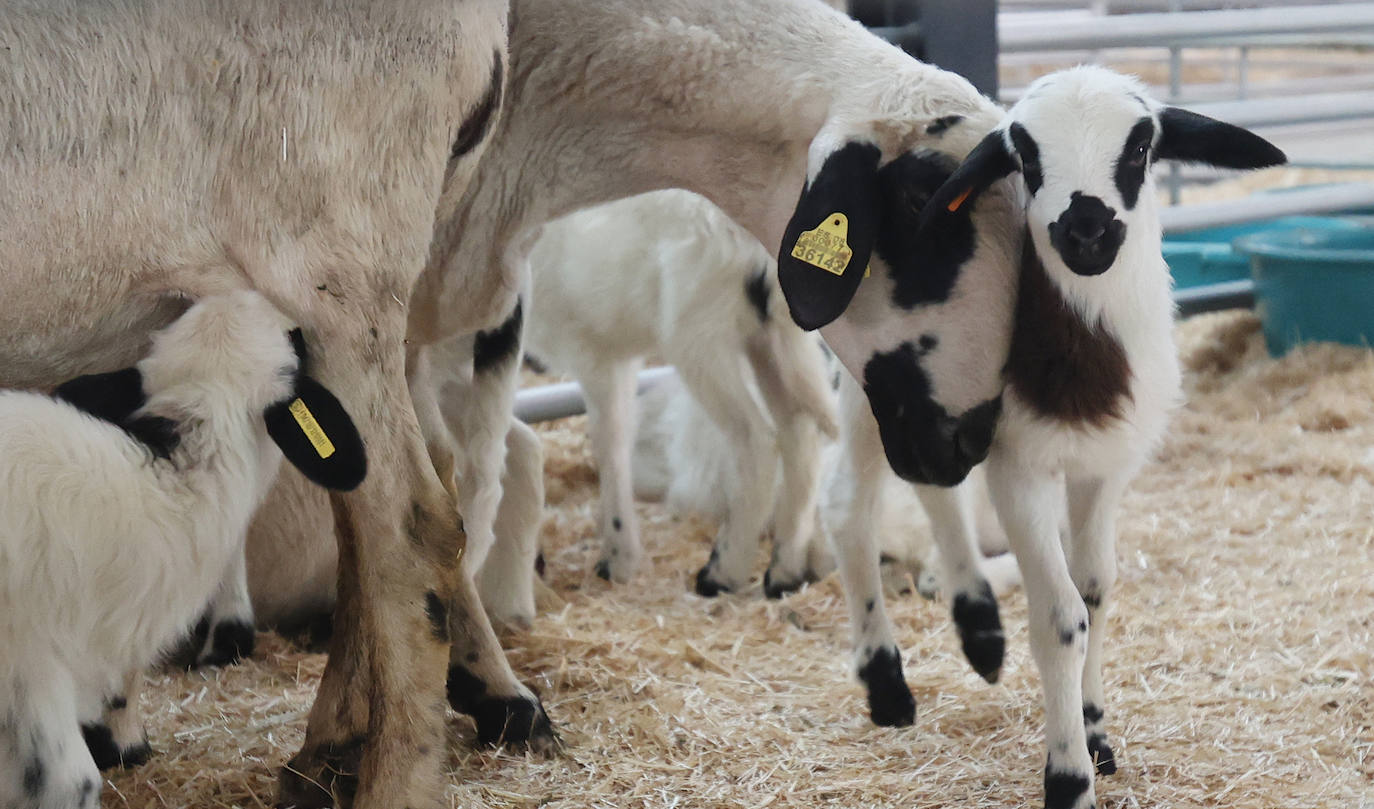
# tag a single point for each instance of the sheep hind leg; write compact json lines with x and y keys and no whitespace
{"x":794,"y":520}
{"x":506,"y":582}
{"x":118,"y":739}
{"x":725,"y":390}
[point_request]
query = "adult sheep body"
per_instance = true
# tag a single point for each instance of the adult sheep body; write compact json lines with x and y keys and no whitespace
{"x":610,"y":99}
{"x":153,"y":151}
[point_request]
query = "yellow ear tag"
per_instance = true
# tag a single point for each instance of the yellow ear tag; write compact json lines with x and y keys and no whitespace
{"x":312,"y":429}
{"x":826,"y":246}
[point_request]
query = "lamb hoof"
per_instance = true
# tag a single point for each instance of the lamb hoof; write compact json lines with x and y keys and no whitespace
{"x":1101,"y":754}
{"x":980,"y":632}
{"x":232,"y":641}
{"x":322,"y":778}
{"x":108,"y":754}
{"x":517,"y":720}
{"x":1068,"y":790}
{"x":779,"y":586}
{"x":890,"y":703}
{"x":541,"y":567}
{"x":707,"y":585}
{"x":603,"y":570}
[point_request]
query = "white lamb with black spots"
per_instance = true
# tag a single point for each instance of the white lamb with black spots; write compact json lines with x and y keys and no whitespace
{"x":122,"y":500}
{"x":1091,"y":375}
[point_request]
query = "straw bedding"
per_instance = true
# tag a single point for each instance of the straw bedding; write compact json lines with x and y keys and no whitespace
{"x":1238,"y":671}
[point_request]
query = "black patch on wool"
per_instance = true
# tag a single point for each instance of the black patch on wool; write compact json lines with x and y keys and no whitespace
{"x":1062,"y":789}
{"x":923,"y":265}
{"x":1029,"y":153}
{"x":980,"y":631}
{"x":437,"y":611}
{"x":114,"y":397}
{"x":939,"y":125}
{"x":1133,"y":161}
{"x":492,"y":348}
{"x":35,"y":775}
{"x":478,"y":121}
{"x":890,"y":703}
{"x":756,"y":291}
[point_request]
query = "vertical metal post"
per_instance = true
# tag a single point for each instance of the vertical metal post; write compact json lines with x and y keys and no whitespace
{"x":1175,"y":90}
{"x":1243,"y":73}
{"x":962,"y":37}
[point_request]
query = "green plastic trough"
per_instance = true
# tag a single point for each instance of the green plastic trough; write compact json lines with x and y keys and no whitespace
{"x":1313,"y":284}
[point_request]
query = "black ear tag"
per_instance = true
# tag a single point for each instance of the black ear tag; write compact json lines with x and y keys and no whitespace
{"x":827,"y":244}
{"x":986,"y":164}
{"x":317,"y":437}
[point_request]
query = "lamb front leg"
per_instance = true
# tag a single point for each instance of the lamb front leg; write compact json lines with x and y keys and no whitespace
{"x":1028,"y":502}
{"x":118,"y":739}
{"x":1093,"y":507}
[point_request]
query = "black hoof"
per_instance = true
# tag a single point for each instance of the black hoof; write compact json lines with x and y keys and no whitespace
{"x":603,"y":570}
{"x":777,"y":589}
{"x":706,"y":586}
{"x":540,"y":567}
{"x":100,"y":741}
{"x":1101,"y":753}
{"x":1062,"y":789}
{"x":323,"y":778}
{"x":233,"y":641}
{"x":508,"y":720}
{"x":890,"y":703}
{"x":980,"y":632}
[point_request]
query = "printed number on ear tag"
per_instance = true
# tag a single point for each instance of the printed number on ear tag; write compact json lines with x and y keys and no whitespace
{"x":312,"y":429}
{"x":826,"y":247}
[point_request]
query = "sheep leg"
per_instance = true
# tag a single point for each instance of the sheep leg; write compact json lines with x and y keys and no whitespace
{"x":853,"y":496}
{"x":1093,"y":508}
{"x":506,"y":583}
{"x":375,"y":735}
{"x":723,"y":386}
{"x":974,"y":604}
{"x":1028,"y":502}
{"x":44,"y":764}
{"x":482,"y":685}
{"x":611,"y":411}
{"x":225,"y":634}
{"x":118,"y":739}
{"x":794,"y":518}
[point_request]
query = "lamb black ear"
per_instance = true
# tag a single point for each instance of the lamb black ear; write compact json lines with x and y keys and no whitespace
{"x":113,"y":396}
{"x":826,"y":246}
{"x":1189,"y":136}
{"x":317,"y":436}
{"x":989,"y":162}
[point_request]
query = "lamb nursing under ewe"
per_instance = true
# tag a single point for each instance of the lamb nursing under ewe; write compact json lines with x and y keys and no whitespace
{"x":122,"y":500}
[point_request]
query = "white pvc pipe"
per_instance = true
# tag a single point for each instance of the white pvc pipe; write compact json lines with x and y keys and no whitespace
{"x":1027,"y":32}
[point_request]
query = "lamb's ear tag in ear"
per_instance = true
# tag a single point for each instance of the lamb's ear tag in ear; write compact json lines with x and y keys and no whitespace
{"x":958,"y":201}
{"x":317,"y":437}
{"x":314,"y":433}
{"x":826,"y":246}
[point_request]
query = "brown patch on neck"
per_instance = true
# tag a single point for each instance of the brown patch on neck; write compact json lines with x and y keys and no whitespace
{"x":1064,"y":368}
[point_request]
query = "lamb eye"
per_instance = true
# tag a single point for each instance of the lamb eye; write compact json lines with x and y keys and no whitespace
{"x":1139,"y":153}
